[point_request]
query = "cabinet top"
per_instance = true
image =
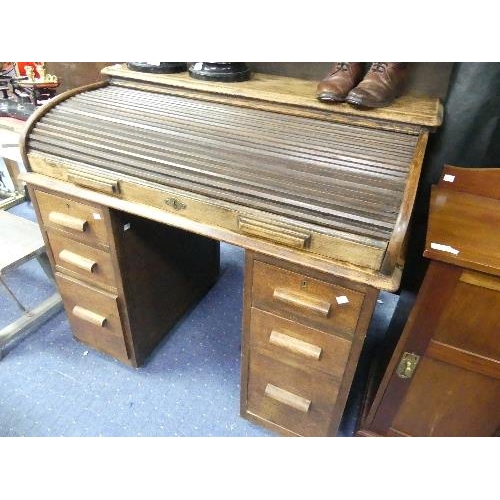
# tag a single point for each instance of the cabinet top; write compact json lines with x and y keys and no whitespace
{"x":464,"y":218}
{"x":290,"y":93}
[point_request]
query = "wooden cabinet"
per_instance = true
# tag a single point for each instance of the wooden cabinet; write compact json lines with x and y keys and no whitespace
{"x":302,"y":336}
{"x":116,"y":272}
{"x":444,"y":377}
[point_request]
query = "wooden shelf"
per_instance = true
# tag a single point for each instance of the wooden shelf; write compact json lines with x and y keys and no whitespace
{"x":408,"y":109}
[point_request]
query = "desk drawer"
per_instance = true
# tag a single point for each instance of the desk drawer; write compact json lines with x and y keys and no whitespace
{"x":82,"y":221}
{"x":299,"y":400}
{"x":89,"y":263}
{"x":303,"y":346}
{"x":298,"y":297}
{"x":93,"y":315}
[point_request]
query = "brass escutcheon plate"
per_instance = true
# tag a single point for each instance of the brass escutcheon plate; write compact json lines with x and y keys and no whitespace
{"x":175,"y":204}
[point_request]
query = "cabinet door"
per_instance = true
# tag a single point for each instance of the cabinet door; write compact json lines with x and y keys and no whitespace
{"x":454,"y":390}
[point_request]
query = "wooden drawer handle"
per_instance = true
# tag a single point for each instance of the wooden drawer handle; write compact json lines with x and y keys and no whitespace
{"x":295,"y":345}
{"x":76,"y":260}
{"x":68,"y":221}
{"x":110,"y":186}
{"x":288,"y":398}
{"x":89,"y":316}
{"x":311,"y":304}
{"x":284,"y":236}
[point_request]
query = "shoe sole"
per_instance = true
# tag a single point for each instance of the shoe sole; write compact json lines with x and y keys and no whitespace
{"x":364,"y":104}
{"x":329,"y":98}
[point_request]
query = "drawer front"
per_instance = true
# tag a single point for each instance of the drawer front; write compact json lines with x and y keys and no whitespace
{"x":93,"y":315}
{"x":300,"y":345}
{"x":89,"y":263}
{"x":82,"y":221}
{"x":299,"y":400}
{"x":298,"y":297}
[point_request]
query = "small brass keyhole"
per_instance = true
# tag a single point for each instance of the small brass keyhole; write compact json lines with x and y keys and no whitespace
{"x":304,"y":284}
{"x":175,"y":204}
{"x":407,"y":365}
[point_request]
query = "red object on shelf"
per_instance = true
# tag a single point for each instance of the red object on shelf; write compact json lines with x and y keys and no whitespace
{"x":22,"y":65}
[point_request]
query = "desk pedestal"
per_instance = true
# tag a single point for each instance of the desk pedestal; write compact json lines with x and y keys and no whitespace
{"x":124,"y":280}
{"x":302,"y":336}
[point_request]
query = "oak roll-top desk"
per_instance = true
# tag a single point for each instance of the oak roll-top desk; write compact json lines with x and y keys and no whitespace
{"x":319,"y":196}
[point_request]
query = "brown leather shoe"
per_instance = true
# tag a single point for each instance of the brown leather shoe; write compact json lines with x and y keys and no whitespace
{"x":343,"y":77}
{"x":381,"y":85}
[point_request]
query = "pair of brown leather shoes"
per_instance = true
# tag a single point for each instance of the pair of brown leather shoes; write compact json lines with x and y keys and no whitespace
{"x":380,"y":86}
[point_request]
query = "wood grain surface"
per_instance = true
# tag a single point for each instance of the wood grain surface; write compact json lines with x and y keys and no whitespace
{"x":294,"y":91}
{"x":336,"y":176}
{"x":458,"y":222}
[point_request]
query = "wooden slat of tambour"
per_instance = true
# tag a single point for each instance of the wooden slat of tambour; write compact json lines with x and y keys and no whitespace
{"x":291,"y":91}
{"x":158,"y":137}
{"x":318,"y":141}
{"x":313,"y":180}
{"x":277,"y":173}
{"x":283,"y":128}
{"x":283,"y":141}
{"x":388,"y":192}
{"x":190,"y":145}
{"x":270,"y":189}
{"x":305,"y":211}
{"x":200,"y":108}
{"x":227,"y":144}
{"x":290,"y":164}
{"x":208,"y":115}
{"x":307,"y":147}
{"x":278,"y":146}
{"x":134,"y":153}
{"x":319,"y":191}
{"x":317,"y":128}
{"x":158,"y":120}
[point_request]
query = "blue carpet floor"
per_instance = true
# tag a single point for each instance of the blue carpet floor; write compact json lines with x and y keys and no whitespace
{"x":51,"y":385}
